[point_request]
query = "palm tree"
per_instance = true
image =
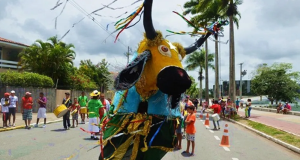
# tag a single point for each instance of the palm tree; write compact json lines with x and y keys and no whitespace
{"x":53,"y":59}
{"x":197,"y":59}
{"x":213,"y":10}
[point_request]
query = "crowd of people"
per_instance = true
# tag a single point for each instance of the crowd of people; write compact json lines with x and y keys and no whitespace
{"x":93,"y":109}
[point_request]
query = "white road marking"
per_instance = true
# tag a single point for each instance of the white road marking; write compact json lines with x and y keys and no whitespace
{"x":201,"y":120}
{"x":217,"y":138}
{"x":211,"y":131}
{"x":235,"y":159}
{"x":226,"y":149}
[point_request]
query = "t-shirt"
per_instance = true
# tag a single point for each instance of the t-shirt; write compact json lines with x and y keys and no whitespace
{"x":82,"y":101}
{"x":4,"y":101}
{"x":68,"y":103}
{"x":75,"y":106}
{"x":237,"y":103}
{"x":190,"y":128}
{"x":93,"y":106}
{"x":189,"y":103}
{"x":13,"y":101}
{"x":106,"y":104}
{"x":27,"y":103}
{"x":217,"y":108}
{"x":43,"y":99}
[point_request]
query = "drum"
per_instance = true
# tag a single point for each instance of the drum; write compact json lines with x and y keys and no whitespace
{"x":83,"y":110}
{"x":73,"y":112}
{"x":60,"y":111}
{"x":216,"y":117}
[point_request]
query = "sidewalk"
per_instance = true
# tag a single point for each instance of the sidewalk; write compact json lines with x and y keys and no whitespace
{"x":21,"y":124}
{"x":288,"y":123}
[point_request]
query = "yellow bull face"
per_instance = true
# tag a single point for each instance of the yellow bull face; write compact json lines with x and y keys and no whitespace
{"x":163,"y":70}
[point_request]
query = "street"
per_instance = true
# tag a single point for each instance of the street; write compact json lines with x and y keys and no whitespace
{"x":51,"y":143}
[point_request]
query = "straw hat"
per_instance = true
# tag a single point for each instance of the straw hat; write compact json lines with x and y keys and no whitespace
{"x":95,"y":93}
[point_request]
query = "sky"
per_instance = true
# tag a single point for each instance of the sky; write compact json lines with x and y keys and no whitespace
{"x":267,"y":31}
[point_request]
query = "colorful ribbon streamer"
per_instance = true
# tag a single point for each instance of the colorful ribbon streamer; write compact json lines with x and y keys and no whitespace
{"x":150,"y":143}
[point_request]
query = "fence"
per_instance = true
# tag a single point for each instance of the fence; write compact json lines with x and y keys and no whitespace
{"x":54,"y":96}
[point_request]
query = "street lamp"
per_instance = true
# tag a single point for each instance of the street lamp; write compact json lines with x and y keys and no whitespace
{"x":243,"y":73}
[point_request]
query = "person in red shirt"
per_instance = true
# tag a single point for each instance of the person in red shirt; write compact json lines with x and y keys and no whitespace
{"x":26,"y":109}
{"x":217,"y":110}
{"x":190,"y":129}
{"x":74,"y":107}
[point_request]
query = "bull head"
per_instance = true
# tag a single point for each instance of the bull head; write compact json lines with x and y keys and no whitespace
{"x":158,"y":65}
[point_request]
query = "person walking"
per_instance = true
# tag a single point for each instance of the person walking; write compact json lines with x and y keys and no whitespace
{"x":83,"y":100}
{"x":75,"y":109}
{"x":13,"y":99}
{"x":237,"y":104}
{"x":42,"y":112}
{"x":94,"y":107}
{"x":5,"y":110}
{"x":217,"y":110}
{"x":26,"y":109}
{"x":105,"y":103}
{"x":66,"y":118}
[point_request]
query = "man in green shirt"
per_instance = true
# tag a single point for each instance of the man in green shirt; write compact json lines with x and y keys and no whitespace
{"x":94,"y":108}
{"x":83,"y":104}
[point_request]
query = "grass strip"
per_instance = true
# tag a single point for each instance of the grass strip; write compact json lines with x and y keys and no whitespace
{"x":276,"y":133}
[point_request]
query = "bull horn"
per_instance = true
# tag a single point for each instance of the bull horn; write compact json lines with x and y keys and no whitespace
{"x":196,"y":45}
{"x":148,"y":25}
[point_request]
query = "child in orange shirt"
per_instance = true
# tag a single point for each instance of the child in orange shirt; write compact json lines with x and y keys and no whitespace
{"x":75,"y":115}
{"x":190,"y":129}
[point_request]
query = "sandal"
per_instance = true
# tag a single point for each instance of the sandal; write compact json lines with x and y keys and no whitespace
{"x":192,"y":154}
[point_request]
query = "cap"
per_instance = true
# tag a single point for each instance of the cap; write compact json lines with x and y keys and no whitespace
{"x":6,"y":94}
{"x":12,"y":91}
{"x":27,"y":93}
{"x":67,"y":93}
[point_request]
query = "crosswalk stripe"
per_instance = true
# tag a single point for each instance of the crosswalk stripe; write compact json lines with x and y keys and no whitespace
{"x":235,"y":159}
{"x":226,"y":149}
{"x":217,"y":138}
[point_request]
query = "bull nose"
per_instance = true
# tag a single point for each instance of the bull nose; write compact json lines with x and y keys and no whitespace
{"x":173,"y":80}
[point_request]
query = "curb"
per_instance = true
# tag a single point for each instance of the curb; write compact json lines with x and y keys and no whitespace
{"x":22,"y":126}
{"x":291,"y":147}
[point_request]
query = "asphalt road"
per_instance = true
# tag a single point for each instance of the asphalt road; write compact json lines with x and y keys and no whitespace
{"x":51,"y":143}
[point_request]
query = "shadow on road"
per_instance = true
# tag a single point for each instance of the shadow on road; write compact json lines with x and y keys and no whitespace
{"x":88,"y":139}
{"x":58,"y":130}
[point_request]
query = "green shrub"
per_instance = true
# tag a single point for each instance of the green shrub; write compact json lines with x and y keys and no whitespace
{"x":82,"y":82}
{"x":25,"y":79}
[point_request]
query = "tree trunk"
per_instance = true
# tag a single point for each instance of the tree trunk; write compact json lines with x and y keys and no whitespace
{"x":232,"y":86}
{"x":217,"y":88}
{"x":206,"y":73}
{"x":200,"y":87}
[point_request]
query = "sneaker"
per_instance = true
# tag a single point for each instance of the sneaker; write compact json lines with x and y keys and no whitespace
{"x":68,"y":128}
{"x":96,"y":138}
{"x":44,"y":126}
{"x":14,"y":125}
{"x":36,"y":125}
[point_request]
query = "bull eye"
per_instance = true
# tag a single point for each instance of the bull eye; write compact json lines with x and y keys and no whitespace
{"x":164,"y":51}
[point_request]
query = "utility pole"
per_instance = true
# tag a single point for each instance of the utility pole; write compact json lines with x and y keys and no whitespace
{"x":127,"y":54}
{"x":242,"y":73}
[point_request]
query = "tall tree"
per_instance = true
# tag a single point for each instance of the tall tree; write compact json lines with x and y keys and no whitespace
{"x":212,"y":10}
{"x":52,"y":58}
{"x":277,"y":81}
{"x":197,"y":60}
{"x":98,"y":73}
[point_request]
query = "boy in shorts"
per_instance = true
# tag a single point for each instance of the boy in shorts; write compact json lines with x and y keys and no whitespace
{"x":75,"y":115}
{"x":190,"y":129}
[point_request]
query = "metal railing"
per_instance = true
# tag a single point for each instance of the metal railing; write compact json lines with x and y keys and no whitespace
{"x":8,"y":64}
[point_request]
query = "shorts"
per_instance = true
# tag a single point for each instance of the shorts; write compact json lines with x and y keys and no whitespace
{"x":75,"y":116}
{"x":190,"y":137}
{"x":42,"y":113}
{"x":83,"y":110}
{"x":12,"y":111}
{"x":27,"y":114}
{"x":237,"y":107}
{"x":179,"y":127}
{"x":92,"y":125}
{"x":5,"y":116}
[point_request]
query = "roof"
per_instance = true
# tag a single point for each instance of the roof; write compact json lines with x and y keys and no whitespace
{"x":12,"y":42}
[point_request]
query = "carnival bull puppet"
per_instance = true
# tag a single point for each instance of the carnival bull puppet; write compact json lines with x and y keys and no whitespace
{"x":146,"y":110}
